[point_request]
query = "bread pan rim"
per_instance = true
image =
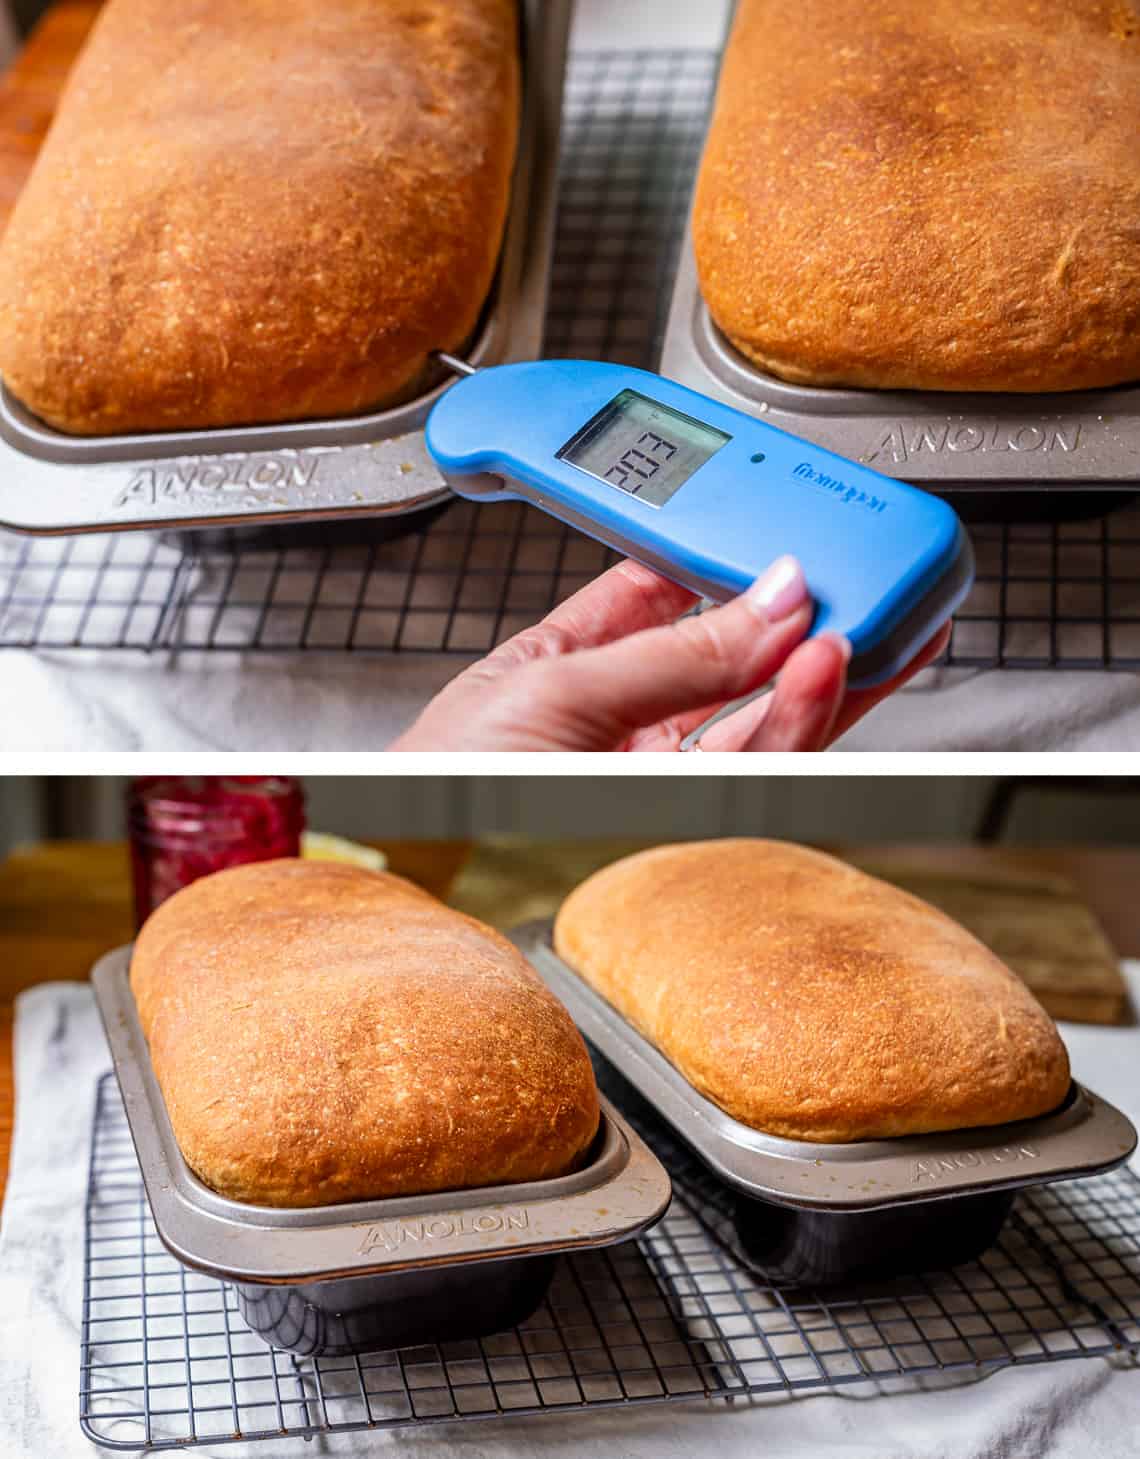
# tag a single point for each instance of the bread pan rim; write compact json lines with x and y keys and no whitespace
{"x":545,"y":34}
{"x":732,"y":365}
{"x":694,"y":353}
{"x":255,"y":1244}
{"x":855,"y":1176}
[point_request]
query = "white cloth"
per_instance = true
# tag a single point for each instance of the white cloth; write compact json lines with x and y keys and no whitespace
{"x":962,"y":709}
{"x":1079,"y":1409}
{"x":321,"y":702}
{"x":199,"y":702}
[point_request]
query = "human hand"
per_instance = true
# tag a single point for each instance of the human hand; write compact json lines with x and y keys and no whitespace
{"x":612,"y":668}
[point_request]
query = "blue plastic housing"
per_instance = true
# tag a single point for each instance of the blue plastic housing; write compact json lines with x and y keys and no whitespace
{"x":885,"y":562}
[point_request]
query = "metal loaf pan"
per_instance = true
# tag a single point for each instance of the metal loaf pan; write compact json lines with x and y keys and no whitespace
{"x":376,"y":1274}
{"x":350,"y":470}
{"x":812,"y":1214}
{"x":1084,"y":445}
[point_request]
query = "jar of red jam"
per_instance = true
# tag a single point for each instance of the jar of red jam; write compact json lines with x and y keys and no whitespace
{"x":184,"y":827}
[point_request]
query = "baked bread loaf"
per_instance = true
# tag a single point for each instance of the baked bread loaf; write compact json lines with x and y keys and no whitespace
{"x":323,"y":1033}
{"x":256,"y":212}
{"x":808,"y":999}
{"x":933,"y":195}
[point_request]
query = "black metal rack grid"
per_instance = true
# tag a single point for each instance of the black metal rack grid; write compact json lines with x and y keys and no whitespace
{"x":1052,"y":595}
{"x":166,"y":1361}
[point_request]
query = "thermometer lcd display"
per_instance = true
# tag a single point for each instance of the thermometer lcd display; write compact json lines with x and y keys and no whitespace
{"x":642,"y":447}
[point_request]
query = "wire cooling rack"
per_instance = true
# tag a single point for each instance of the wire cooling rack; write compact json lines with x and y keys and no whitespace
{"x":165,"y":1360}
{"x":1047,"y":595}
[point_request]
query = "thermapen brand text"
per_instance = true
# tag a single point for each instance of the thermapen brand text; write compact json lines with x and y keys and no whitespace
{"x":391,"y":1235}
{"x":937,"y":1169}
{"x":838,"y":488}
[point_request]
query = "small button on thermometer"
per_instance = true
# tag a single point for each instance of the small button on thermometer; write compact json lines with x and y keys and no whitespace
{"x":708,"y":496}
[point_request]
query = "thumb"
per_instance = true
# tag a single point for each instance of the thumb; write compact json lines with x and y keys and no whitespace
{"x":603,"y":694}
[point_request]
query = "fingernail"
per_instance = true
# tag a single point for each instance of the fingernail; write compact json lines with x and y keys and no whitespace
{"x":780,"y":589}
{"x":842,"y":644}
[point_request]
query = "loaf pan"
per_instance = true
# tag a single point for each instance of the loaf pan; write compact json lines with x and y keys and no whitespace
{"x":352,"y":469}
{"x":330,"y":1280}
{"x":1080,"y":443}
{"x":813,"y":1214}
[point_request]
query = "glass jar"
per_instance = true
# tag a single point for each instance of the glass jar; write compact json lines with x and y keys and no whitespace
{"x":183,"y":827}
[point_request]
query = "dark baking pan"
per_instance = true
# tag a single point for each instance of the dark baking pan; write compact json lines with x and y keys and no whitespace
{"x":813,"y":1214}
{"x":799,"y":1247}
{"x":359,"y":478}
{"x":378,"y":1274}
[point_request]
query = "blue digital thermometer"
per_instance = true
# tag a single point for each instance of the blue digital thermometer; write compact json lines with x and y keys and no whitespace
{"x":708,"y":496}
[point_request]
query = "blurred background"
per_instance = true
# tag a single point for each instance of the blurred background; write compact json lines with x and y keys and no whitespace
{"x":816,"y":808}
{"x":1043,"y":870}
{"x":21,"y":15}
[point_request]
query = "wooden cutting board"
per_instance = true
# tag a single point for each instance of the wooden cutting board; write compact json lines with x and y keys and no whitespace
{"x":30,"y":90}
{"x":1035,"y":919}
{"x":1037,"y":922}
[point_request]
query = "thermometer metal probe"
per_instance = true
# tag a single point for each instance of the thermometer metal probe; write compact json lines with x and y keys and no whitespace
{"x":706,"y":495}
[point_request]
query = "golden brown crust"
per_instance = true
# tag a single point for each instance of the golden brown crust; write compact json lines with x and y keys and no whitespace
{"x":808,"y":999}
{"x":259,"y":212}
{"x":941,"y":195}
{"x":322,"y":1033}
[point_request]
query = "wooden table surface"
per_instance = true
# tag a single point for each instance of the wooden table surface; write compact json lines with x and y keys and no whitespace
{"x":30,"y":89}
{"x":65,"y":903}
